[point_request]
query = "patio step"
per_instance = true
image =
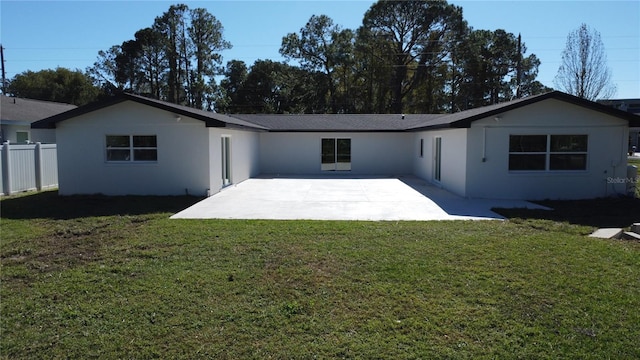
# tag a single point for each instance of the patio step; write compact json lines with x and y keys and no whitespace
{"x":628,"y":235}
{"x":607,"y":233}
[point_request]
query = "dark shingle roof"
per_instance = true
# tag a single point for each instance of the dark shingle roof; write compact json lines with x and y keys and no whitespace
{"x":28,"y":110}
{"x":464,"y":119}
{"x":337,"y":122}
{"x":343,"y":122}
{"x":211,"y":119}
{"x":414,"y":122}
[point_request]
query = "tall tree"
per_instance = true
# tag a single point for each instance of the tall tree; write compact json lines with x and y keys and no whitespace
{"x":267,"y":88}
{"x":104,"y":70}
{"x":527,"y":85}
{"x":173,"y":29}
{"x":584,"y":71}
{"x":372,"y":72}
{"x":59,"y":85}
{"x":486,"y":58}
{"x":321,"y":46}
{"x":127,"y":70}
{"x":151,"y":62}
{"x":271,"y":87}
{"x":205,"y":33}
{"x":414,"y":30}
{"x":231,"y":86}
{"x":175,"y":59}
{"x":491,"y":69}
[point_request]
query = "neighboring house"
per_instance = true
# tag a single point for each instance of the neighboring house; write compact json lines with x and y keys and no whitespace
{"x":632,"y":106}
{"x":553,"y":146}
{"x":17,"y":114}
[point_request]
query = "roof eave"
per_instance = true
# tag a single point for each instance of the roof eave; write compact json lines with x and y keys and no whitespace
{"x":209,"y":119}
{"x":337,"y":130}
{"x":466,"y":122}
{"x":432,"y":127}
{"x":632,"y":118}
{"x":225,"y":125}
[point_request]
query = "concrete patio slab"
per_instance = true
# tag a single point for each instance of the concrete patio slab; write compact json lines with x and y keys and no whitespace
{"x":338,"y":198}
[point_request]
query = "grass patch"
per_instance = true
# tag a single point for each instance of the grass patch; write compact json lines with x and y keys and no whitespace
{"x":124,"y":281}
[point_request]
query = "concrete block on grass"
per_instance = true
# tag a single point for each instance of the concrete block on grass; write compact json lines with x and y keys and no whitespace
{"x":628,"y":235}
{"x":607,"y":233}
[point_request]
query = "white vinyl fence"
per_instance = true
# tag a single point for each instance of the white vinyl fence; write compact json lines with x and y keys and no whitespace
{"x":28,"y":167}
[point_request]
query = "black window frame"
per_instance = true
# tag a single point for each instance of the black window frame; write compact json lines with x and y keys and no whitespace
{"x":120,"y":148}
{"x":558,"y":153}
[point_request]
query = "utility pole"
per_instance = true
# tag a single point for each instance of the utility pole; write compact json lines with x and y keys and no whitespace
{"x":519,"y":68}
{"x":4,"y":80}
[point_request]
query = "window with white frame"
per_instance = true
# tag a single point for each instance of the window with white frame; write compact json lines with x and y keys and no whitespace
{"x":129,"y":148}
{"x":548,"y":152}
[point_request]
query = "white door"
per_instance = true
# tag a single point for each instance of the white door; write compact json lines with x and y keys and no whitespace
{"x":437,"y":159}
{"x":226,"y":160}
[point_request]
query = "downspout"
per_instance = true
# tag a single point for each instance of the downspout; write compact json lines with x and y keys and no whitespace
{"x":484,"y":144}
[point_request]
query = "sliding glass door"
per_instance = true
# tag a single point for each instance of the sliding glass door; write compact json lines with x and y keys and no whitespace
{"x":437,"y":159}
{"x":336,"y":155}
{"x":226,"y":160}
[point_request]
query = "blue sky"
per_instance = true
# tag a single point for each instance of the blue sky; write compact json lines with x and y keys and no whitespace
{"x":46,"y":34}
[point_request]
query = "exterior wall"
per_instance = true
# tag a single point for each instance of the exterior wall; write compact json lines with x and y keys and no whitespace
{"x":244,"y":156}
{"x":44,"y":136}
{"x":489,"y":139}
{"x":453,"y":158}
{"x":371,"y":153}
{"x":183,"y":159}
{"x":8,"y":132}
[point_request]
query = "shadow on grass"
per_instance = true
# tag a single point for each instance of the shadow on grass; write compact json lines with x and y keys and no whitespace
{"x":49,"y":205}
{"x":599,"y":213}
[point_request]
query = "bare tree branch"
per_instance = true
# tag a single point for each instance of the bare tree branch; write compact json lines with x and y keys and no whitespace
{"x":584,"y":71}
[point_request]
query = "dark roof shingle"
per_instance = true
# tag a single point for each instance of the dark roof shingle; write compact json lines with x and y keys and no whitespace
{"x":336,"y":122}
{"x":29,"y":110}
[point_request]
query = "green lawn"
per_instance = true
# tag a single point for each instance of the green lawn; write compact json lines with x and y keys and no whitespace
{"x":636,"y":162}
{"x":95,"y":277}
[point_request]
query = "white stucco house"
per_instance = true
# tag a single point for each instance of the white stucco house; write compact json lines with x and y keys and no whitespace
{"x":632,"y":106}
{"x":550,"y":146}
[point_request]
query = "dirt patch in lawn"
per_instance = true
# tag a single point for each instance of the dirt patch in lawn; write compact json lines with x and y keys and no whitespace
{"x":607,"y":212}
